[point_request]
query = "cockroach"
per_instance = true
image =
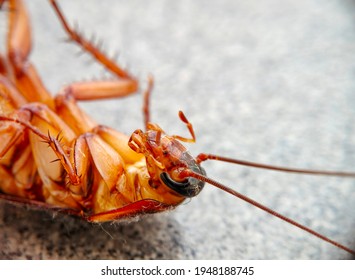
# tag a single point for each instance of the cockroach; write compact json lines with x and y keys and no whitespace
{"x":55,"y":157}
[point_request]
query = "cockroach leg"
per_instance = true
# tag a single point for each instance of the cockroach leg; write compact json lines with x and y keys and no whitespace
{"x":144,"y":206}
{"x":146,"y":114}
{"x":89,"y":170}
{"x":18,"y":49}
{"x":53,"y":143}
{"x":20,"y":201}
{"x":37,"y":117}
{"x":67,"y":108}
{"x":189,"y":127}
{"x":146,"y":101}
{"x":87,"y":46}
{"x":19,"y":35}
{"x":100,"y":89}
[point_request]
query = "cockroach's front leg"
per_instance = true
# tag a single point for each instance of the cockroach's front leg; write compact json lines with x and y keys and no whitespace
{"x":102,"y":181}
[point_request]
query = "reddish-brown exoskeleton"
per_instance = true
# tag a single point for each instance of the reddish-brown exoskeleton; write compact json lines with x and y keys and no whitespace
{"x":54,"y":156}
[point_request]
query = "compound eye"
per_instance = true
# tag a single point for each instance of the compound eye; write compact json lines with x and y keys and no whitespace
{"x":187,"y":188}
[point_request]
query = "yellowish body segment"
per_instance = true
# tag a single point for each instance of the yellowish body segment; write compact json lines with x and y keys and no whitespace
{"x":52,"y":151}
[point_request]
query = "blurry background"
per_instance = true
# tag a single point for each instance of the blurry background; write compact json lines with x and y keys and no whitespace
{"x":267,"y":81}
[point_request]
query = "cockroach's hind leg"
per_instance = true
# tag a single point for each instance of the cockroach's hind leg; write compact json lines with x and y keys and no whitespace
{"x":109,"y":64}
{"x":57,"y":148}
{"x":100,"y":89}
{"x":53,"y":143}
{"x":145,"y":206}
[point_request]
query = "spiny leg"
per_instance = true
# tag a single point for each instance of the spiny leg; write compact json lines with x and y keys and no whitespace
{"x":98,"y":89}
{"x":53,"y":142}
{"x":53,"y":189}
{"x":88,"y":149}
{"x":89,"y":47}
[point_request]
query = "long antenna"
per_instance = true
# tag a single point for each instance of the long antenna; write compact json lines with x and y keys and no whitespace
{"x":203,"y":157}
{"x":188,"y":173}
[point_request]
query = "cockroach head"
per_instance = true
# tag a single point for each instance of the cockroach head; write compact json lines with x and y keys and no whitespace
{"x":189,"y":187}
{"x":166,"y":158}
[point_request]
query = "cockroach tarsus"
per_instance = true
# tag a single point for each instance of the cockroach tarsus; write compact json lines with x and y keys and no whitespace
{"x":54,"y":156}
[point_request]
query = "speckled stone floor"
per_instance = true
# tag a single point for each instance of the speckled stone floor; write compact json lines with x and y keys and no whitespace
{"x":268,"y":81}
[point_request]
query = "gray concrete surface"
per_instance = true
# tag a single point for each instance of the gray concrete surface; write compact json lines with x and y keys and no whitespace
{"x":268,"y":81}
